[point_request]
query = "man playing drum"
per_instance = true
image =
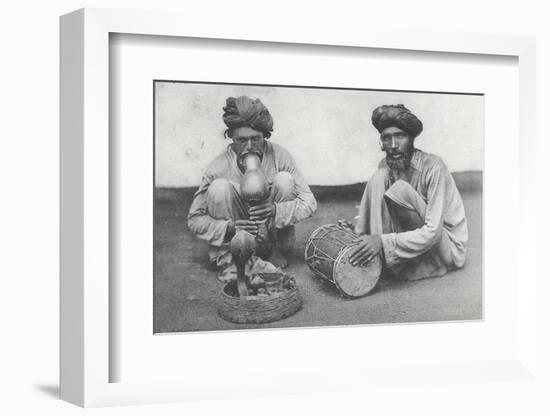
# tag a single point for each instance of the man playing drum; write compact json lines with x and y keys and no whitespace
{"x":218,"y":210}
{"x":411,"y":213}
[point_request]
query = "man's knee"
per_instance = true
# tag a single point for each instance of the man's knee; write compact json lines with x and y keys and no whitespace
{"x":220,"y":190}
{"x":406,"y":207}
{"x":402,"y":194}
{"x":283,"y":186}
{"x":400,"y":187}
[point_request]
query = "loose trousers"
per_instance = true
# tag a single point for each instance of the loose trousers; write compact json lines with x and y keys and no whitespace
{"x":225,"y":202}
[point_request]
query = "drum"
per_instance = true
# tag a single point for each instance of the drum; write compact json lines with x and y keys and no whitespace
{"x":327,"y":255}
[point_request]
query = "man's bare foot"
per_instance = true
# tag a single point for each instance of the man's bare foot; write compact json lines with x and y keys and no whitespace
{"x":421,"y":272}
{"x":278,"y":259}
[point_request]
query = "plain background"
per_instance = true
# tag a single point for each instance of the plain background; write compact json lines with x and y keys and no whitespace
{"x":29,"y":208}
{"x":319,"y":127}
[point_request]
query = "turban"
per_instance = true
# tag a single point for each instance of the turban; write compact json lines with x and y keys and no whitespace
{"x":246,"y":112}
{"x":398,"y":116}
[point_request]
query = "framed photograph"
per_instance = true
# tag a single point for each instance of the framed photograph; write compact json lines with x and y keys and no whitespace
{"x":220,"y":217}
{"x":320,"y":215}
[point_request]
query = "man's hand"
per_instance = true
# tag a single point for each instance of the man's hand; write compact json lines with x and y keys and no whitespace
{"x":246,"y":225}
{"x":367,"y":247}
{"x":345,"y":223}
{"x":262,"y":212}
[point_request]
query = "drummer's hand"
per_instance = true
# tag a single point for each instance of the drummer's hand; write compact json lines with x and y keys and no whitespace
{"x":345,"y":223}
{"x":262,"y":211}
{"x":246,"y":225}
{"x":367,"y":246}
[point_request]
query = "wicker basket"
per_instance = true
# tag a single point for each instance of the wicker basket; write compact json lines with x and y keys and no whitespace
{"x":258,"y":309}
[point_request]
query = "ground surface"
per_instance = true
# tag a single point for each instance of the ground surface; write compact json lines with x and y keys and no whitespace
{"x":186,"y":287}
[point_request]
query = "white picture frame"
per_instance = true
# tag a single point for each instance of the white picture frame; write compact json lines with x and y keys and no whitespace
{"x":85,"y":164}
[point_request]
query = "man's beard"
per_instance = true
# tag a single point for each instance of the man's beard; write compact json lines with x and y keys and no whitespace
{"x":401,"y":164}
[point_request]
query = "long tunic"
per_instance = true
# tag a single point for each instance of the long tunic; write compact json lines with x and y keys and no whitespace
{"x":275,"y":159}
{"x":444,"y":213}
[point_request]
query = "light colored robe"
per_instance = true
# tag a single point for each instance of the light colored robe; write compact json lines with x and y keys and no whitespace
{"x":289,"y":211}
{"x":440,"y":240}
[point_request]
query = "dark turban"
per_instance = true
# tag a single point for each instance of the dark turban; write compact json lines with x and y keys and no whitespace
{"x":246,"y":112}
{"x":397,"y":116}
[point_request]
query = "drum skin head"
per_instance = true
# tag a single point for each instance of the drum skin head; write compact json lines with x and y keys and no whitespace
{"x":355,"y":281}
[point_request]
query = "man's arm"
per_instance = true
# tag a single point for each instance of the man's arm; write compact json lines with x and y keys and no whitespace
{"x":303,"y":206}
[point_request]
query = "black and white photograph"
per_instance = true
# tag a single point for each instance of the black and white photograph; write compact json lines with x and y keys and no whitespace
{"x":289,"y":206}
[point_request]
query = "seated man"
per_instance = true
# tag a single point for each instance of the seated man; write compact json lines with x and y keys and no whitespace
{"x":411,"y":212}
{"x":218,"y":210}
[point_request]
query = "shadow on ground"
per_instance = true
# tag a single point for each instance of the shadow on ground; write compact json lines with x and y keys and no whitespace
{"x":186,"y":288}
